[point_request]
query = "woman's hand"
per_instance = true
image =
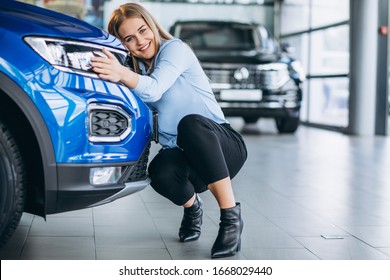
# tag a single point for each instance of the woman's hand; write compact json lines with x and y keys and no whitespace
{"x":108,"y":68}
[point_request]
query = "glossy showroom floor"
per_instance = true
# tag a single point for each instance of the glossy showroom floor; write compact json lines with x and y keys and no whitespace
{"x":312,"y":195}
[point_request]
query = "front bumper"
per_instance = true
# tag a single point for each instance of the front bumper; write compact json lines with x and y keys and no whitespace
{"x":77,"y":192}
{"x":271,"y":105}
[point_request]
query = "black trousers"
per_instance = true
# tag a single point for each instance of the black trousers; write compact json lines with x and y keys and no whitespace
{"x":208,"y":152}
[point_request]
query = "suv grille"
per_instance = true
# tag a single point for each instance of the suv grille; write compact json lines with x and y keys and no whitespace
{"x":267,"y":76}
{"x":108,"y":123}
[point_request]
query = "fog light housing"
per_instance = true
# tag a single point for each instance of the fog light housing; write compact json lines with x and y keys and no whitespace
{"x":104,"y":175}
{"x":108,"y":123}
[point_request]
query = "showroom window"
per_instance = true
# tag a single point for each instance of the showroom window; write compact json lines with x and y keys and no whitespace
{"x":318,"y":32}
{"x":91,"y":11}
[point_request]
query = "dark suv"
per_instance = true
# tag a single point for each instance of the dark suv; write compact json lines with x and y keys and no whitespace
{"x":68,"y":140}
{"x":250,"y":74}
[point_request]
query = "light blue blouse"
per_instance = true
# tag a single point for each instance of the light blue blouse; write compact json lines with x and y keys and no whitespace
{"x":177,"y":87}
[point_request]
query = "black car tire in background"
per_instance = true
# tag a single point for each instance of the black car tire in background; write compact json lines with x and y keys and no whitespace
{"x":249,"y":120}
{"x":287,"y":124}
{"x":12,"y":185}
{"x":290,"y":122}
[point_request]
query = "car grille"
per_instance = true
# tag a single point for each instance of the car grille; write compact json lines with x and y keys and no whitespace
{"x":138,"y":171}
{"x":226,"y":76}
{"x":108,"y":123}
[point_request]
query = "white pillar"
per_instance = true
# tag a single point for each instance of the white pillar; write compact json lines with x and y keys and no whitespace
{"x":363,"y":59}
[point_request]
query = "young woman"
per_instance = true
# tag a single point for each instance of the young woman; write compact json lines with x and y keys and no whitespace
{"x":200,"y":151}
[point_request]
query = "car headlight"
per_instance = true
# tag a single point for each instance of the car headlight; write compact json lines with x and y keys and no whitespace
{"x":297,"y":68}
{"x":273,"y":75}
{"x":71,"y":56}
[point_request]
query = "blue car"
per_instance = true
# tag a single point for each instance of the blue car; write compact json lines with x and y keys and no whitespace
{"x":68,"y":140}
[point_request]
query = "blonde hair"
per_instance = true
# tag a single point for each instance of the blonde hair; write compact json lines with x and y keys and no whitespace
{"x":131,"y":10}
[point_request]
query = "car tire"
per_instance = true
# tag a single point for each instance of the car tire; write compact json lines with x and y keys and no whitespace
{"x":12,"y":185}
{"x":287,"y":124}
{"x":249,"y":120}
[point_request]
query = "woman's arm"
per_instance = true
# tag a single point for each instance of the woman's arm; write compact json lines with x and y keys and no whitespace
{"x":173,"y":60}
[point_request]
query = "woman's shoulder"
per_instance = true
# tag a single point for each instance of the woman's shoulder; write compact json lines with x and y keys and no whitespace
{"x":174,"y":42}
{"x":174,"y":47}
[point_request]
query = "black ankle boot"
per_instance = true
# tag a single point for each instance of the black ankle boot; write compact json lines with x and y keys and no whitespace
{"x":191,"y":222}
{"x":228,"y":241}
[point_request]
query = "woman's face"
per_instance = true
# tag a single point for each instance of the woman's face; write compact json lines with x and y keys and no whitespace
{"x":138,"y":38}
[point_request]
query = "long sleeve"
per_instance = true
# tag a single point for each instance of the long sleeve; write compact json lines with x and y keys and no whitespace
{"x":173,"y":59}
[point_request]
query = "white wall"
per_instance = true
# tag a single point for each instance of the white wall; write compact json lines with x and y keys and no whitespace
{"x":168,"y":13}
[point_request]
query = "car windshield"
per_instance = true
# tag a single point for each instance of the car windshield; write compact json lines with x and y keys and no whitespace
{"x":207,"y":36}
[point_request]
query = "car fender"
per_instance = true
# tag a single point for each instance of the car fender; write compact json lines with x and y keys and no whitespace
{"x":32,"y":114}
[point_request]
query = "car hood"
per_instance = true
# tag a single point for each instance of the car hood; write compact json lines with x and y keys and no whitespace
{"x":237,"y":56}
{"x":25,"y":19}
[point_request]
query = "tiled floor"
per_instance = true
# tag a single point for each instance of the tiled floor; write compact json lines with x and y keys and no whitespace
{"x":312,"y":195}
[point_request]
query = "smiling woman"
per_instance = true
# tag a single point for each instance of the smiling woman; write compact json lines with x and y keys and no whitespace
{"x":200,"y":150}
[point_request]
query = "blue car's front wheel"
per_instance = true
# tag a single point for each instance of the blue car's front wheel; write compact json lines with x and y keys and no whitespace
{"x":12,"y":185}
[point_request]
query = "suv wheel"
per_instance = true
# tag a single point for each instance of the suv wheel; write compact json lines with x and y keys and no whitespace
{"x":12,"y":185}
{"x":249,"y":120}
{"x":287,"y":124}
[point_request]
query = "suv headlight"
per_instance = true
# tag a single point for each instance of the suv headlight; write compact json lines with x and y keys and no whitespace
{"x":70,"y":56}
{"x":273,"y":75}
{"x":297,"y":68}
